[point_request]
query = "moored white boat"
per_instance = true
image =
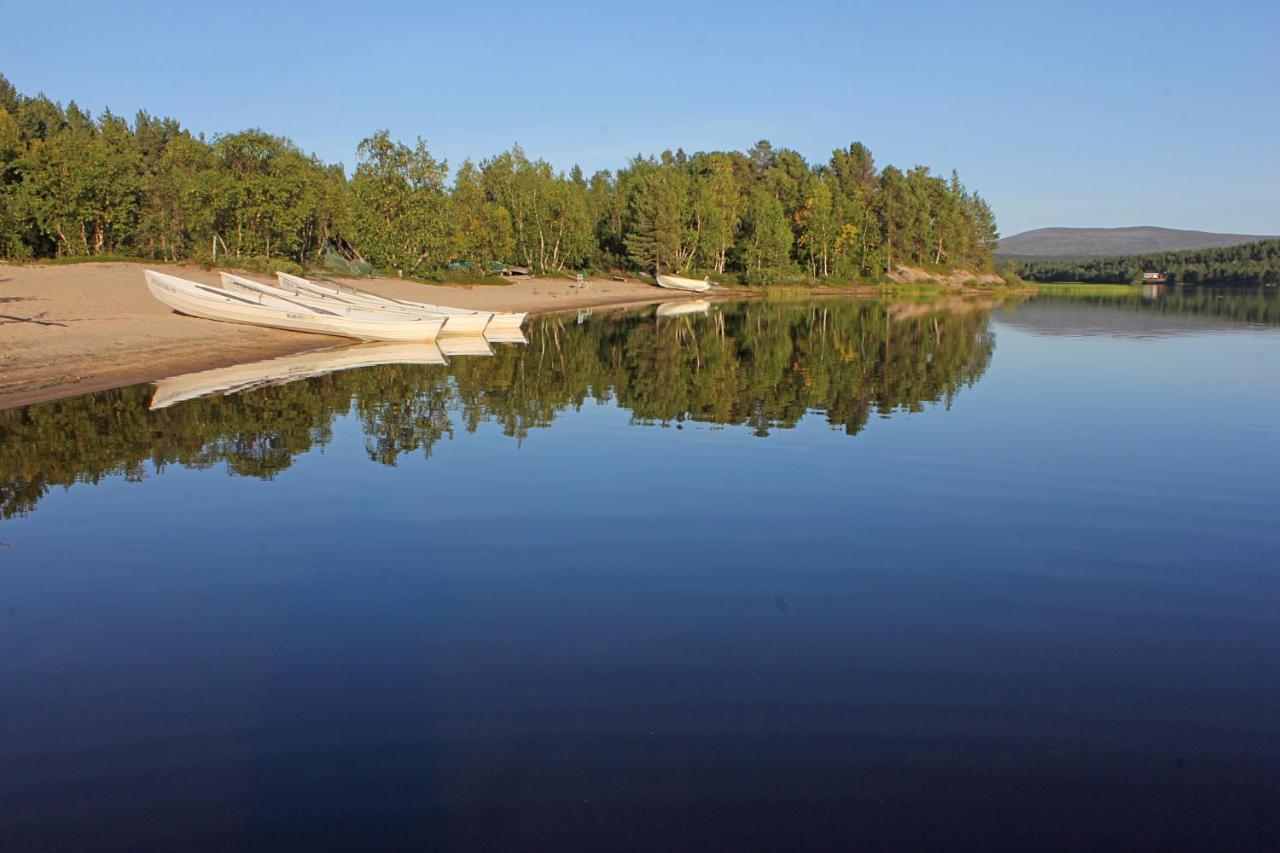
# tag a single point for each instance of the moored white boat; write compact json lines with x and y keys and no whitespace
{"x":685,"y":306}
{"x":679,"y":282}
{"x":280,"y":371}
{"x":211,"y":303}
{"x":459,"y":321}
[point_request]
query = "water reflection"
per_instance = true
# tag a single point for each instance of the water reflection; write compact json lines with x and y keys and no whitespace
{"x":1147,"y":311}
{"x":761,"y":365}
{"x":464,"y":345}
{"x":683,"y":306}
{"x":280,"y":371}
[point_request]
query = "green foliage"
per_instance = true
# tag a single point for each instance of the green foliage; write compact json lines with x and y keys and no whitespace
{"x":662,"y":232}
{"x":549,"y":213}
{"x":483,"y":227}
{"x":767,"y":247}
{"x":399,"y":212}
{"x":72,"y":185}
{"x":1249,"y":264}
{"x":266,"y":266}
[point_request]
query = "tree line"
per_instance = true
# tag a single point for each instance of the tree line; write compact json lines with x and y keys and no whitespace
{"x":76,"y":185}
{"x":1249,"y":264}
{"x":761,"y":366}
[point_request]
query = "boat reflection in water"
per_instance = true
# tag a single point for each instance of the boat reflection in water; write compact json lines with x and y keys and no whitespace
{"x":683,"y":306}
{"x":460,"y":345}
{"x":291,"y":368}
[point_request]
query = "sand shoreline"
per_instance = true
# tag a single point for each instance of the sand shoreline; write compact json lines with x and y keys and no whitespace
{"x":75,"y":329}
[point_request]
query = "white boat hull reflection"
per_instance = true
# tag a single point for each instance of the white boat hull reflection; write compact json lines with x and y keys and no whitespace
{"x":280,"y":371}
{"x":686,"y":306}
{"x":464,"y":345}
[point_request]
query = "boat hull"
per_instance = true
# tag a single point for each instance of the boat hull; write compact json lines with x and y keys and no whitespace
{"x":507,"y":322}
{"x":210,"y":304}
{"x":505,"y":336}
{"x":679,"y":282}
{"x":458,"y":321}
{"x":462,"y":324}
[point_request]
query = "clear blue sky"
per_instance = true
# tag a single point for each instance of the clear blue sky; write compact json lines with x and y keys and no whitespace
{"x":1101,"y":114}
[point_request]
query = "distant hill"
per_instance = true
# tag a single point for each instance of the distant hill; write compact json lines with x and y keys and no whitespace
{"x":1110,"y":242}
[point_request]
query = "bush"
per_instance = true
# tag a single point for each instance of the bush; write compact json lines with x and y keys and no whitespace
{"x":253,"y":263}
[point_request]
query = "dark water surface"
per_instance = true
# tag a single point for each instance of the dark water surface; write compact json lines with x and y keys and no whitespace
{"x":836,"y":575}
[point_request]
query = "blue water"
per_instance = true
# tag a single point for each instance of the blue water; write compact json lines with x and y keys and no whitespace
{"x":1040,"y":614}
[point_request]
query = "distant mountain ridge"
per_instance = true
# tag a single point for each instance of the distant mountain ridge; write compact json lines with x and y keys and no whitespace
{"x":1108,"y":242}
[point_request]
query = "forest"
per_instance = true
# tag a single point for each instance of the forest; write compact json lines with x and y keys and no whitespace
{"x":761,"y":366}
{"x":1250,"y":264}
{"x":75,"y":185}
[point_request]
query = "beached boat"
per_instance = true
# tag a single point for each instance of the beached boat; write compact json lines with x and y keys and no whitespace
{"x":505,"y":336}
{"x":686,"y":306}
{"x":280,"y":371}
{"x":470,"y":323}
{"x":460,"y":321}
{"x":212,"y":303}
{"x":679,"y":282}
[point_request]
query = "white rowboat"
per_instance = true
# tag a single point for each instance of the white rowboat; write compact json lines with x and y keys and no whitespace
{"x":679,"y":282}
{"x":468,"y":324}
{"x":211,"y":303}
{"x":460,"y":321}
{"x":505,"y":336}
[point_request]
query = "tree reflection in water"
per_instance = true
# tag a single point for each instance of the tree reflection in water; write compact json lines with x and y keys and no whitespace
{"x":762,"y":365}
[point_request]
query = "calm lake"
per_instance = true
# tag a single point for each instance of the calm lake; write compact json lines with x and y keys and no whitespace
{"x":836,"y":574}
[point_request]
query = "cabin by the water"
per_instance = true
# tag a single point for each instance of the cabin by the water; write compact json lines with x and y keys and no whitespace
{"x":1154,"y":278}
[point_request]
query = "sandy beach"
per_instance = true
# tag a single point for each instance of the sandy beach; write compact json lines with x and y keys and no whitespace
{"x":72,"y":329}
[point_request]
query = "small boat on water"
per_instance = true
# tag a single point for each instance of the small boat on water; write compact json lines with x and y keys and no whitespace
{"x":459,"y":321}
{"x":281,"y":371}
{"x":262,"y":309}
{"x":685,"y":306}
{"x":679,"y":282}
